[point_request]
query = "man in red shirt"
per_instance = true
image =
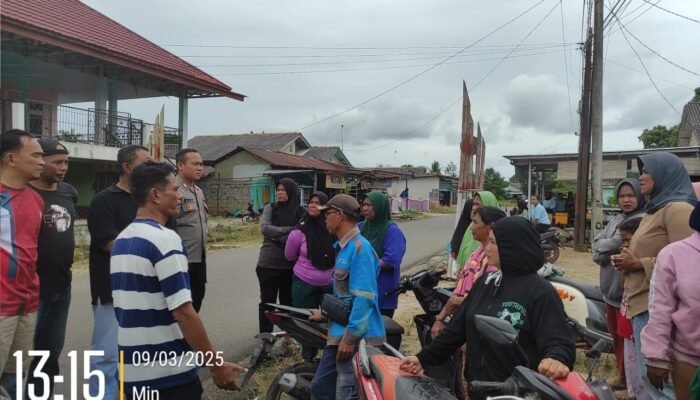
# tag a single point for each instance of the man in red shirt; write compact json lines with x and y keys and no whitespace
{"x":20,"y":221}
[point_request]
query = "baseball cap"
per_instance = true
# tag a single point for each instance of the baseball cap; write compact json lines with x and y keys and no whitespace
{"x":52,"y":146}
{"x":343,"y":202}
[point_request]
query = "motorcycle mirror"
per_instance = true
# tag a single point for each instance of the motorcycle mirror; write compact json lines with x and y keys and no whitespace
{"x":597,"y":349}
{"x":499,"y":332}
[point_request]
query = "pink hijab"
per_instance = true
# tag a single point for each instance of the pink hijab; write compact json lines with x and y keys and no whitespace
{"x":696,"y":186}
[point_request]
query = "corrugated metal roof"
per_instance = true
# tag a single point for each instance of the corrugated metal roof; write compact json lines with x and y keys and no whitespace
{"x":76,"y":23}
{"x":213,"y":148}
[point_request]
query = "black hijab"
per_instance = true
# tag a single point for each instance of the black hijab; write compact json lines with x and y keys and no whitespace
{"x":462,"y":225}
{"x":319,"y":242}
{"x":289,"y":213}
{"x":695,"y":217}
{"x":518,"y":246}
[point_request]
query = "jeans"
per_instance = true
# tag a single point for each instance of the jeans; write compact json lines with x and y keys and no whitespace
{"x":50,"y":334}
{"x":638,"y":323}
{"x":104,"y":337}
{"x":333,"y":379}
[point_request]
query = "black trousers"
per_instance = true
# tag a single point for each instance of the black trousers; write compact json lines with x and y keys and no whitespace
{"x":274,"y":283}
{"x":198,"y":282}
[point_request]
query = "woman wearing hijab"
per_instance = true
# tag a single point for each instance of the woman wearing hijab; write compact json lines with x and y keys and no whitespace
{"x":665,"y":182}
{"x":464,"y":220}
{"x":514,"y":293}
{"x":481,"y":199}
{"x":390,"y":245}
{"x":310,"y":247}
{"x":274,"y":270}
{"x":607,"y":243}
{"x":671,"y":339}
{"x":476,"y":266}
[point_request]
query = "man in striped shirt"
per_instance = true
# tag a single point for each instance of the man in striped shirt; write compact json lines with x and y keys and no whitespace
{"x":161,"y":336}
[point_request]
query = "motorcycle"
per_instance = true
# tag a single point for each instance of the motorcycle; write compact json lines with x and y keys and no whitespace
{"x":549,"y":240}
{"x":525,"y":383}
{"x":295,"y":380}
{"x":584,"y":307}
{"x":379,"y":377}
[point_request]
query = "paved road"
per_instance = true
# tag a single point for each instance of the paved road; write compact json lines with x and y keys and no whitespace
{"x":229,"y":311}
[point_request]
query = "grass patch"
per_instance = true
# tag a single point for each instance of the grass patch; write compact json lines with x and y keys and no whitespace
{"x":408,"y":214}
{"x":443,"y":210}
{"x":233,"y":231}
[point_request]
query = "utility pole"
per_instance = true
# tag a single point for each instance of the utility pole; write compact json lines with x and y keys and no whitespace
{"x":584,"y":150}
{"x":597,"y":122}
{"x":341,"y":137}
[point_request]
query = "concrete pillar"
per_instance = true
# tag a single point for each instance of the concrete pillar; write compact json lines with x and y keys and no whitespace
{"x":18,"y":116}
{"x":183,"y":109}
{"x":101,"y":95}
{"x":113,"y":106}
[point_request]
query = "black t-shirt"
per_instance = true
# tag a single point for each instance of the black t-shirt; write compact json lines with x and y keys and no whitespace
{"x":110,"y":212}
{"x":56,"y":239}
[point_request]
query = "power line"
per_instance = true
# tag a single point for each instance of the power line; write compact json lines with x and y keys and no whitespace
{"x":376,"y":68}
{"x":347,"y":69}
{"x":362,"y":61}
{"x":414,"y":130}
{"x":487,"y":49}
{"x":473,"y":87}
{"x":348,"y":48}
{"x":636,"y":17}
{"x":566,"y":67}
{"x":671,"y":12}
{"x":498,"y":64}
{"x":422,"y":72}
{"x":642,"y":72}
{"x":657,"y":54}
{"x":622,"y":29}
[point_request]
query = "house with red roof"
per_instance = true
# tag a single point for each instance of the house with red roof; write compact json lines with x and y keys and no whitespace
{"x":58,"y":53}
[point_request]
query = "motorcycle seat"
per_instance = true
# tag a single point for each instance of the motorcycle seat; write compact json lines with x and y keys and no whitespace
{"x":397,"y":384}
{"x":590,"y":291}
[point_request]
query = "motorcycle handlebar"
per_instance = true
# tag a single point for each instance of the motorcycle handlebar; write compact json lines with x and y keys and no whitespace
{"x":509,"y":387}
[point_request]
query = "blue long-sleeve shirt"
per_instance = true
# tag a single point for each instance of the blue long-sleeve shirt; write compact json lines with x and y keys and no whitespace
{"x":394,"y":249}
{"x":355,"y":281}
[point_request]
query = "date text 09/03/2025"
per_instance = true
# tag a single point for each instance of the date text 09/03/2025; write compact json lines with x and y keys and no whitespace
{"x":143,"y":359}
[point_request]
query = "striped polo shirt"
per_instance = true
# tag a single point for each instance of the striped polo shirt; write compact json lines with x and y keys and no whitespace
{"x":149,"y":280}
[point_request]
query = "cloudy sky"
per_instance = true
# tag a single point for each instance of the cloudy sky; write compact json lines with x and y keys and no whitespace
{"x":303,"y":62}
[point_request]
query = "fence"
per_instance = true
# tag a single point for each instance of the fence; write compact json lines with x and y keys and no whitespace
{"x":410,"y":204}
{"x":226,"y":195}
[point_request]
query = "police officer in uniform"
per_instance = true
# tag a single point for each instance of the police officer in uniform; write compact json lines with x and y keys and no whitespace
{"x":191,"y":223}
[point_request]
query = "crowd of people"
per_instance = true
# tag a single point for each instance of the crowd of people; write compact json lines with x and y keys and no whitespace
{"x":148,"y":277}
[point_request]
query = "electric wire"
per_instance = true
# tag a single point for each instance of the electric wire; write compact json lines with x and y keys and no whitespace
{"x":473,"y":88}
{"x":422,"y":72}
{"x":624,"y":34}
{"x":566,"y":68}
{"x":671,"y":12}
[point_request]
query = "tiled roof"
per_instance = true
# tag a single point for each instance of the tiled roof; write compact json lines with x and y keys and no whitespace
{"x":278,"y":159}
{"x":214,"y":148}
{"x":690,"y":123}
{"x":75,"y":23}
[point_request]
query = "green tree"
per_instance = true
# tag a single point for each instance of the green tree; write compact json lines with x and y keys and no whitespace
{"x":494,"y":183}
{"x":659,"y":137}
{"x":451,"y":169}
{"x":696,"y":97}
{"x":435,"y":167}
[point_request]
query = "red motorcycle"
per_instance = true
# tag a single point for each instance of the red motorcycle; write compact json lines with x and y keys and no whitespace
{"x":379,"y":377}
{"x":525,"y":383}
